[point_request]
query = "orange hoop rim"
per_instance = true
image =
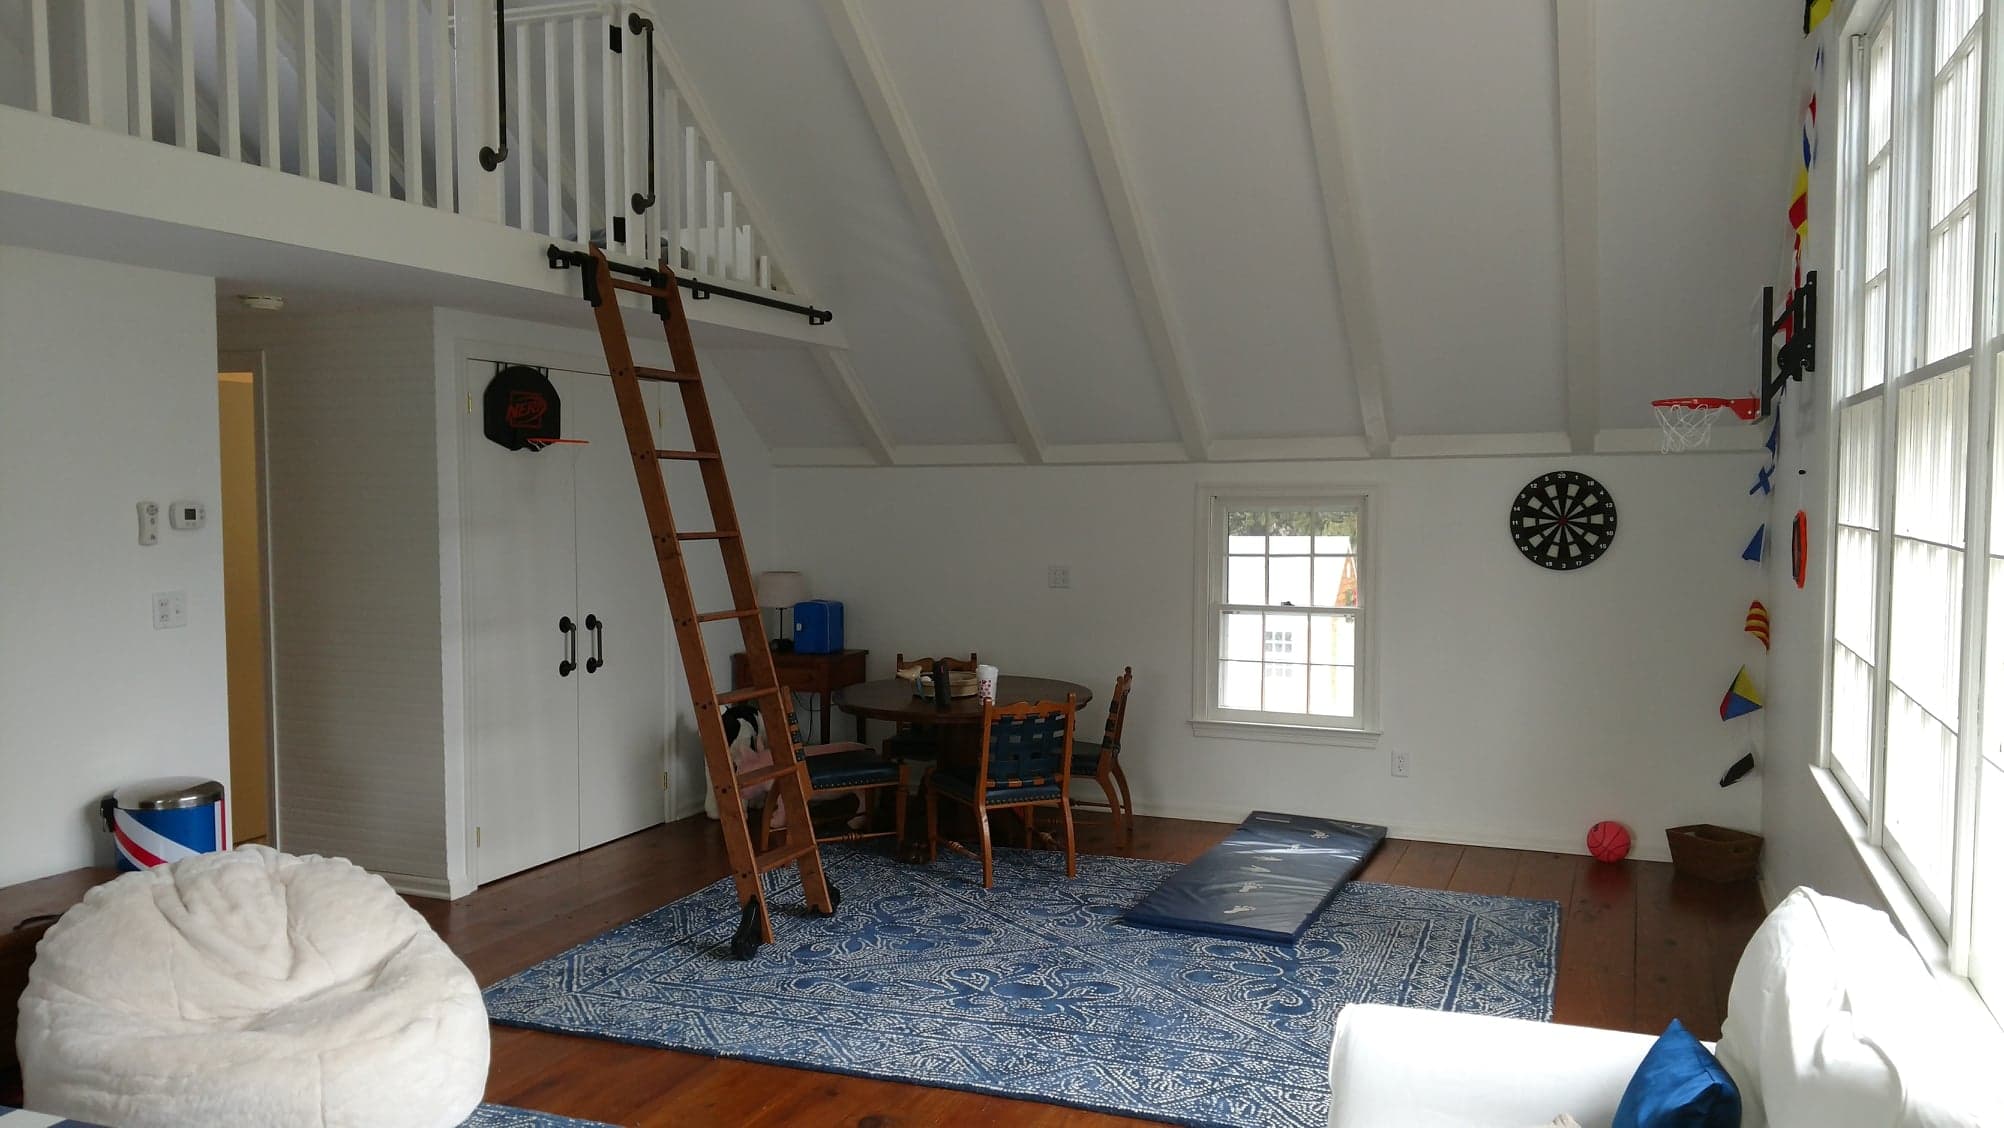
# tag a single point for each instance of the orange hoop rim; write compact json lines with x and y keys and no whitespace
{"x":554,"y":442}
{"x":1746,"y":407}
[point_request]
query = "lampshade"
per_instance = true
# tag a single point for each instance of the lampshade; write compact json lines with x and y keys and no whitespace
{"x":781,"y":589}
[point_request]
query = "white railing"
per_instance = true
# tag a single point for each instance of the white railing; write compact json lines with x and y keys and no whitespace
{"x":396,"y":98}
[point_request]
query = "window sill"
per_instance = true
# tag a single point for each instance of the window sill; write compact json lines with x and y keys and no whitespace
{"x":1901,"y":904}
{"x":1286,"y":734}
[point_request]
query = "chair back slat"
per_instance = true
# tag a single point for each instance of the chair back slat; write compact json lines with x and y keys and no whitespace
{"x":1027,"y":745}
{"x":1116,"y":712}
{"x":968,"y":663}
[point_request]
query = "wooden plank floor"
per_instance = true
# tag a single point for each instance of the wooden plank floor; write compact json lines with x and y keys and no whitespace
{"x":1638,"y":946}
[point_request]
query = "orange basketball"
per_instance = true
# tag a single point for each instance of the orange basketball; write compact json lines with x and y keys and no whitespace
{"x":1608,"y":841}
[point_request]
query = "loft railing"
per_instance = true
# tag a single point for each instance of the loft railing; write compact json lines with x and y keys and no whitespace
{"x":397,"y":98}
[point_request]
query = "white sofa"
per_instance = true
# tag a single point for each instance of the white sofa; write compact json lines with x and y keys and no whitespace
{"x":1833,"y":1021}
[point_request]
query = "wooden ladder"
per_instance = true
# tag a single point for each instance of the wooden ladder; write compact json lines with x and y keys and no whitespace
{"x":604,"y":281}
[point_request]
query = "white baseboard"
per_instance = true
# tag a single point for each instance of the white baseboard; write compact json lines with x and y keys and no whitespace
{"x":436,"y":888}
{"x":1456,"y":835}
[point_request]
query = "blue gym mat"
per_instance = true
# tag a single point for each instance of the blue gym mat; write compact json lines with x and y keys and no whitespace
{"x":1265,"y":882}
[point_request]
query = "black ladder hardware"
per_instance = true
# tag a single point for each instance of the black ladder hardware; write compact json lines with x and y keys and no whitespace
{"x":657,"y":280}
{"x":638,"y":25}
{"x":787,"y":774}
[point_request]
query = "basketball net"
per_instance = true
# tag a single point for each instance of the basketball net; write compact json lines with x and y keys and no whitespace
{"x":1687,"y":422}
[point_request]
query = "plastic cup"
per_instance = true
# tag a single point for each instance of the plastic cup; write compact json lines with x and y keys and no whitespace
{"x":985,"y":678}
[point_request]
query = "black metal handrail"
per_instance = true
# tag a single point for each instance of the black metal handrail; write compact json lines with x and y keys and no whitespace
{"x":638,"y":25}
{"x":490,"y":157}
{"x":561,"y":259}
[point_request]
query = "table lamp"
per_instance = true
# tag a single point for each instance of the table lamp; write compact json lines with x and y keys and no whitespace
{"x":781,"y":590}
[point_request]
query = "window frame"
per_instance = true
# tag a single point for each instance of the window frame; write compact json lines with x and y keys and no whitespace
{"x":1208,"y":718}
{"x":1939,"y":920}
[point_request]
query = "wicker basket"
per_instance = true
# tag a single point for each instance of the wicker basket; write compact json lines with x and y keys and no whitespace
{"x":1714,"y":853}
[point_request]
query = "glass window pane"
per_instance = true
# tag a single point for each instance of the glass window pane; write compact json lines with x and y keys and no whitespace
{"x":1879,"y":114}
{"x":1286,"y":638}
{"x":1952,"y":21}
{"x":1245,"y":579}
{"x":1951,"y":297}
{"x":1286,"y":686}
{"x":1925,"y":655}
{"x":1332,"y":691}
{"x":1238,"y":685}
{"x":1993,"y":677}
{"x":1335,"y":581}
{"x":1340,"y":545}
{"x":1851,"y":722}
{"x":1293,"y":531}
{"x":1245,"y":530}
{"x":1878,"y":216}
{"x":1872,"y":352}
{"x":1858,"y":464}
{"x":1287,"y":580}
{"x":1920,"y":792}
{"x":1332,"y":640}
{"x":1855,"y":605}
{"x":1931,"y":449}
{"x":1986,"y":963}
{"x":1953,"y":136}
{"x":1242,"y":637}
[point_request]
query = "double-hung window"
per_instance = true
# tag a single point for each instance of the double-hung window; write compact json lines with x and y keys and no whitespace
{"x":1916,"y":671}
{"x":1282,"y":607}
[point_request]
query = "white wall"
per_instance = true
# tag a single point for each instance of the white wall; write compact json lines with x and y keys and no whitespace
{"x":1531,"y":703}
{"x":110,"y":379}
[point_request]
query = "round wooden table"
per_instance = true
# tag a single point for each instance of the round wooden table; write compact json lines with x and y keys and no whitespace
{"x":892,"y":699}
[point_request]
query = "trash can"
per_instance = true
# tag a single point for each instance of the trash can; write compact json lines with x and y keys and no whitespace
{"x":165,"y":820}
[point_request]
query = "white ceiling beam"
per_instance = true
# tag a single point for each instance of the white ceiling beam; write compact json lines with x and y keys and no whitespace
{"x":900,"y":140}
{"x":1579,"y":217}
{"x":1130,"y":230}
{"x":1315,"y":51}
{"x":842,"y":381}
{"x":841,"y":375}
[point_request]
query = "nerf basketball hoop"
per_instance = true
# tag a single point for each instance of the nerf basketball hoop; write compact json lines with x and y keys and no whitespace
{"x":1687,"y":420}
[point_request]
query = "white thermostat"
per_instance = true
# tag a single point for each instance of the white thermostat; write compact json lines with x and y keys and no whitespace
{"x":187,"y":514}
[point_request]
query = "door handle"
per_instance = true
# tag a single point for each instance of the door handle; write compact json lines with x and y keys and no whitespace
{"x":570,"y":661}
{"x":596,"y":626}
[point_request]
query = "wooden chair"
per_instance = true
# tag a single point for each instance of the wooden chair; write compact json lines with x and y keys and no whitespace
{"x":840,"y":770}
{"x":1025,"y":763}
{"x":921,"y":742}
{"x":1101,"y":762}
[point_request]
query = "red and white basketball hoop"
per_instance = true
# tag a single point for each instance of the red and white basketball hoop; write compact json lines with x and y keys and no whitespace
{"x":1687,"y":420}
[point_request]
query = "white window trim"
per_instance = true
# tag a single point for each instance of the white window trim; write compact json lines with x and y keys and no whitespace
{"x":1211,"y":722}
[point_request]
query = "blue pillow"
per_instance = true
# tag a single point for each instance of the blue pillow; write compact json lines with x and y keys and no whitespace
{"x":1679,"y":1085}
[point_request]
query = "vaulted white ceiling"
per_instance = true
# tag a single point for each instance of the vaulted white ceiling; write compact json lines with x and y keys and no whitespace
{"x":1060,"y":230}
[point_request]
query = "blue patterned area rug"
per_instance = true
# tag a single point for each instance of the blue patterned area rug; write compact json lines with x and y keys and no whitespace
{"x":1035,"y":989}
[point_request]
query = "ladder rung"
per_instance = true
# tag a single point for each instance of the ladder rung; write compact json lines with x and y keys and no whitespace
{"x":784,"y":855}
{"x":713,"y":534}
{"x":737,"y":695}
{"x":665,"y":375}
{"x":734,"y":613}
{"x":770,"y":771}
{"x":689,"y":455}
{"x":619,"y":283}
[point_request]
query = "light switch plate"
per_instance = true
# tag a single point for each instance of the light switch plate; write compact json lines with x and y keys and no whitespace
{"x":170,"y":610}
{"x":1060,"y":576}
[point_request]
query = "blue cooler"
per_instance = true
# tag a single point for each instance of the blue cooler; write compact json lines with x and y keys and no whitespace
{"x":817,"y":626}
{"x":165,"y":820}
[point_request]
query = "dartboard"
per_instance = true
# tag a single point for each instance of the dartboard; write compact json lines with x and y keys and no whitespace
{"x":1562,"y":520}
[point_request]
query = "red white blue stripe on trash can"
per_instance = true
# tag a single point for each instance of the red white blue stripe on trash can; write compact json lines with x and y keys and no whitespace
{"x":151,"y":838}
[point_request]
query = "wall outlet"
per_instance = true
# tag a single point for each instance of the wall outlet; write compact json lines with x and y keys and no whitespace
{"x":170,"y":610}
{"x":1402,"y":764}
{"x":1060,"y":576}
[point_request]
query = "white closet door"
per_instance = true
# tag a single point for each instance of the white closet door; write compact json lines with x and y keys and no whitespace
{"x":623,"y":705}
{"x":519,"y":561}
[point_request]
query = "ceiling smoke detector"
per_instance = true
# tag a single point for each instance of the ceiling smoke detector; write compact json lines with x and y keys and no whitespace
{"x":261,"y":301}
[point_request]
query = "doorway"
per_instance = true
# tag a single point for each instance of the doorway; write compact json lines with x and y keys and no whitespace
{"x":244,"y":599}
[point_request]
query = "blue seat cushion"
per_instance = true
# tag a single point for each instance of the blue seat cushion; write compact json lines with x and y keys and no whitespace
{"x":849,"y":769}
{"x":1679,"y":1085}
{"x":1085,"y":758}
{"x":962,"y":787}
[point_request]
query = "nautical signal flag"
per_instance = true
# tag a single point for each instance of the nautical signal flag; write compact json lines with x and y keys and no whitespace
{"x":1757,"y":622}
{"x":1757,"y":547}
{"x":1741,"y":697}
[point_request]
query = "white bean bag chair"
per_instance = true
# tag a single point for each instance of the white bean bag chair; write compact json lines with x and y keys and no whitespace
{"x":251,"y":988}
